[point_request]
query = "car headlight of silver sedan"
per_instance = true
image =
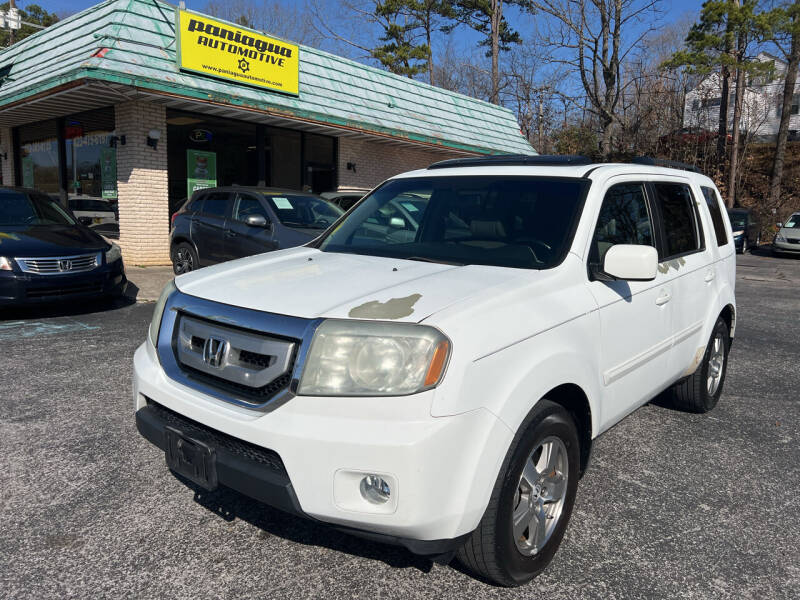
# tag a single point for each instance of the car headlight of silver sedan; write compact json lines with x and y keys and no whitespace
{"x":113,"y":253}
{"x":373,"y":358}
{"x":780,"y":238}
{"x":158,"y":312}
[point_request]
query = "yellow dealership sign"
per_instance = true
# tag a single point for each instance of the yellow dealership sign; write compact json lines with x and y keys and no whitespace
{"x":225,"y":50}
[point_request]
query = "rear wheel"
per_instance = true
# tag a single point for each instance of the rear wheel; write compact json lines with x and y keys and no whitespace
{"x":700,"y":392}
{"x":184,"y":258}
{"x":531,"y":502}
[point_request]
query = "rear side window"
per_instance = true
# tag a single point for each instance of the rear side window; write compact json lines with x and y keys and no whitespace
{"x":681,"y":234}
{"x":624,"y":219}
{"x":215,"y":204}
{"x":716,"y":215}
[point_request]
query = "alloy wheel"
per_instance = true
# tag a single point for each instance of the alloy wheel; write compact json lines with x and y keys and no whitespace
{"x":539,"y":499}
{"x":716,"y":364}
{"x":183,"y":261}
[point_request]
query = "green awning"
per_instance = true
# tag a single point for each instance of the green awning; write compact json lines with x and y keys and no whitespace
{"x":131,"y":44}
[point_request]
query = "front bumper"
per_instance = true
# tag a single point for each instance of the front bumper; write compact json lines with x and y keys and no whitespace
{"x":442,"y":469}
{"x":17,"y":287}
{"x":787,"y":247}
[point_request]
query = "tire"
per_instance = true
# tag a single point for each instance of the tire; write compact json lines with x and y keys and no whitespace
{"x":184,"y":258}
{"x":698,"y":393}
{"x":493,"y":551}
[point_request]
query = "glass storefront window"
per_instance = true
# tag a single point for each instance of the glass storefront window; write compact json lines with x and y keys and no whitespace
{"x":91,"y":161}
{"x":320,"y":163}
{"x":223,"y":152}
{"x":205,"y":141}
{"x":283,"y":150}
{"x":38,"y":152}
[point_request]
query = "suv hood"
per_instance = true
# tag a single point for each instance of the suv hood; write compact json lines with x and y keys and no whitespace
{"x":306,"y":282}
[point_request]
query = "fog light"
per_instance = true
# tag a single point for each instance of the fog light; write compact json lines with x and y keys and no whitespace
{"x":374,"y":489}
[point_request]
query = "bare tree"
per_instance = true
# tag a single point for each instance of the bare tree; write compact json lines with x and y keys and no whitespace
{"x":292,"y":22}
{"x":597,"y":37}
{"x":787,"y":38}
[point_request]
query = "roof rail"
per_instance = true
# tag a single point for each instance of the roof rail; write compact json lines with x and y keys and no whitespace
{"x":548,"y":160}
{"x":662,"y":162}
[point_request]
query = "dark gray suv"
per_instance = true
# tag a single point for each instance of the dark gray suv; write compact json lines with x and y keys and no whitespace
{"x":223,"y":223}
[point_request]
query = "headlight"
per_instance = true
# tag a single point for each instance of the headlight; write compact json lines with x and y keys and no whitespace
{"x":372,"y":358}
{"x":780,"y":238}
{"x":158,"y":312}
{"x":737,"y":234}
{"x":5,"y":264}
{"x":113,"y":253}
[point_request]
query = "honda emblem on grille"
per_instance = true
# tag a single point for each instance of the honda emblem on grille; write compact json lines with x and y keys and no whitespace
{"x":64,"y":265}
{"x":214,"y":351}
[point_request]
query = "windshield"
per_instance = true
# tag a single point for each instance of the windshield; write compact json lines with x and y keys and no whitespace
{"x":522,"y":222}
{"x":738,"y":220}
{"x":24,"y":209}
{"x":307,"y":212}
{"x":793,"y":222}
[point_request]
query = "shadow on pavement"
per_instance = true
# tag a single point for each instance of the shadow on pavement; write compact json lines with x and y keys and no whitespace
{"x":229,"y":505}
{"x":766,"y":250}
{"x":68,"y":309}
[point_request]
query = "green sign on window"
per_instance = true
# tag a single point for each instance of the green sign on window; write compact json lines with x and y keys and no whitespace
{"x":108,"y":172}
{"x":27,"y":172}
{"x":201,"y":170}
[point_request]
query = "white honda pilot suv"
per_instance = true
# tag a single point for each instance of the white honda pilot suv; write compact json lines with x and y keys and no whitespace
{"x":432,"y":370}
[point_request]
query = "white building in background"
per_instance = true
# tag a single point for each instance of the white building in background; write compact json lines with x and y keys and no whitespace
{"x":761,"y":110}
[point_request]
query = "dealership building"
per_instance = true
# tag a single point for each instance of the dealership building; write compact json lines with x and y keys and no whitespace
{"x":133,"y":104}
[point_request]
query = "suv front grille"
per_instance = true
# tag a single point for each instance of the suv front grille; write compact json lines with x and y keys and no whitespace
{"x":219,"y":440}
{"x":249,"y":365}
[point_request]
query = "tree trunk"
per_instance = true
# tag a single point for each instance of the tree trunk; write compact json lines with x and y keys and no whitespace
{"x":606,"y":138}
{"x":428,"y":27}
{"x":497,"y":18}
{"x":722,"y":131}
{"x":783,"y":128}
{"x":737,"y":114}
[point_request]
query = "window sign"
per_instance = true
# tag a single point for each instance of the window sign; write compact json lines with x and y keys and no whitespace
{"x":27,"y":172}
{"x":232,"y":52}
{"x":201,"y":170}
{"x":108,"y":172}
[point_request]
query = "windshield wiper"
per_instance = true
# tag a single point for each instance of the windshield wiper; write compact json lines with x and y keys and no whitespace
{"x":433,"y":260}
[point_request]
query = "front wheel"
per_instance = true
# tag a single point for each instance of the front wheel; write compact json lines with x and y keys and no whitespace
{"x":531,"y":502}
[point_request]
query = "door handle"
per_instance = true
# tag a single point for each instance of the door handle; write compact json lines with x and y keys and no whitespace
{"x":230,"y":233}
{"x":710,"y":276}
{"x":663,"y":298}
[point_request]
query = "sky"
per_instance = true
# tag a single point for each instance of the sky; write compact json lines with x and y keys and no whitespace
{"x":671,"y":7}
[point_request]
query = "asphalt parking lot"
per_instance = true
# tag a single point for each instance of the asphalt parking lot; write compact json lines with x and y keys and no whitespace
{"x":674,"y":505}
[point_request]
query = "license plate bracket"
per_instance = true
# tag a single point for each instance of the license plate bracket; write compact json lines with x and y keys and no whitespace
{"x":191,"y":458}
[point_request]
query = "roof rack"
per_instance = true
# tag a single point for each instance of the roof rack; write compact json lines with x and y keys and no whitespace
{"x":548,"y":160}
{"x":662,"y":162}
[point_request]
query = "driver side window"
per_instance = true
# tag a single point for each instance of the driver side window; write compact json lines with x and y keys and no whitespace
{"x":246,"y":206}
{"x":624,"y":219}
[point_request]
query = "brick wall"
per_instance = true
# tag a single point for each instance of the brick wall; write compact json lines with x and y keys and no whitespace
{"x":7,"y":146}
{"x":142,"y":184}
{"x":376,"y":161}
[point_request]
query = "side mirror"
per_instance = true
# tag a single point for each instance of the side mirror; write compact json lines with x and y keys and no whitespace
{"x":256,"y":221}
{"x":631,"y":262}
{"x":397,"y":223}
{"x":778,"y":225}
